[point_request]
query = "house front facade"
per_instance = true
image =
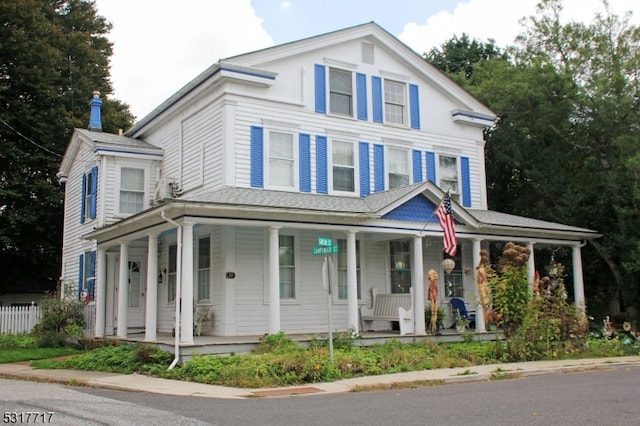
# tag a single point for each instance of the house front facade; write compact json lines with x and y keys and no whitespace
{"x":207,"y":216}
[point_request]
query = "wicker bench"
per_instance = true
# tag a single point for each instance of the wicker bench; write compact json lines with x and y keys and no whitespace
{"x":389,"y":307}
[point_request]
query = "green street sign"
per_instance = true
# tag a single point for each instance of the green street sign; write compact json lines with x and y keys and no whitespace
{"x":318,"y":250}
{"x":323,"y":241}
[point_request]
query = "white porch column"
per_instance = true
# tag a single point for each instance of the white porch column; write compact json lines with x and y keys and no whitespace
{"x":480,"y":325}
{"x":578,"y":279}
{"x":151,"y":315}
{"x":418,"y":287}
{"x":186,"y":328}
{"x":531,"y":266}
{"x":101,"y":292}
{"x":274,"y":280}
{"x":123,"y":289}
{"x":352,"y":282}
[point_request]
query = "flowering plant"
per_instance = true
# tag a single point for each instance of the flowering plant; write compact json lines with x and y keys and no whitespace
{"x":494,"y":317}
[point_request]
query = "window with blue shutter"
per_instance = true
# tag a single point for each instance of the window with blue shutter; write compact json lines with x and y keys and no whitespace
{"x":321,"y":89}
{"x":83,"y":198}
{"x":414,"y":106}
{"x":80,"y":275}
{"x":417,"y":166}
{"x":378,"y":167}
{"x":89,"y":200}
{"x":91,"y":279}
{"x":365,"y":167}
{"x":361,"y":96}
{"x":305,"y":162}
{"x":431,"y":167}
{"x":376,"y":98}
{"x":322,"y":186}
{"x":93,"y":198}
{"x":466,"y":181}
{"x":257,"y":157}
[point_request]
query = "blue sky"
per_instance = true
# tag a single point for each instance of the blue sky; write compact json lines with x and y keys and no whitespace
{"x":160,"y":45}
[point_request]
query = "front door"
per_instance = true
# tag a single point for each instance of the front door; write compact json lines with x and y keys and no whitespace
{"x":135,"y":314}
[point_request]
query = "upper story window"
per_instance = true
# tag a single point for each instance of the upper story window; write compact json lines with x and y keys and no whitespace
{"x":281,"y":160}
{"x":395,"y":102}
{"x":131,"y":190}
{"x":287,"y":266}
{"x":89,"y":195}
{"x":343,"y":166}
{"x":340,"y":92}
{"x":399,"y":167}
{"x":448,"y":174}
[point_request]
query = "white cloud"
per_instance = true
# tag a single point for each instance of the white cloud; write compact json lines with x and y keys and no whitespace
{"x":159,"y":46}
{"x":285,"y":5}
{"x":497,"y":19}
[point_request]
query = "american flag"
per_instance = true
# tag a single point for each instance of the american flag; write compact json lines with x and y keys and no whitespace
{"x":444,"y":213}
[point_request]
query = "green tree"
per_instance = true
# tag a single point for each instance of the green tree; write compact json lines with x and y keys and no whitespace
{"x":53,"y":54}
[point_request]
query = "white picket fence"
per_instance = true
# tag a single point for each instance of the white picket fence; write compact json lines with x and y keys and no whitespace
{"x":18,"y":319}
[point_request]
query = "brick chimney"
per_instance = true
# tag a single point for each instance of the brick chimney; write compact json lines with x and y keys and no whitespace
{"x":95,"y":120}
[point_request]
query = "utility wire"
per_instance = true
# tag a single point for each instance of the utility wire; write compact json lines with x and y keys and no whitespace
{"x":30,"y":140}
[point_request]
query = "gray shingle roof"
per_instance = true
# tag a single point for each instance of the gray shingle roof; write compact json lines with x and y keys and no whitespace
{"x":117,"y":140}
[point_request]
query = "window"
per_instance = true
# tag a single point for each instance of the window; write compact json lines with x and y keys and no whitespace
{"x":453,"y":284}
{"x":204,"y":267}
{"x":398,"y":167}
{"x":171,"y":272}
{"x":394,"y":102}
{"x":87,"y":276}
{"x":342,"y":268}
{"x":131,"y":190}
{"x":400,"y":257}
{"x":287,"y":267}
{"x":134,"y":285}
{"x":340,"y":92}
{"x":343,"y":159}
{"x":448,"y":170}
{"x":281,"y":160}
{"x":89,"y":195}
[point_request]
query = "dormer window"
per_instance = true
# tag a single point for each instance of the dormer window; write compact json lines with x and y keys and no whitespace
{"x":340,"y":92}
{"x":395,"y":103}
{"x":448,"y":174}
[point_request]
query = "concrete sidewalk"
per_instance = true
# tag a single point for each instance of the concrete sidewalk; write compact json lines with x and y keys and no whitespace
{"x":141,"y":383}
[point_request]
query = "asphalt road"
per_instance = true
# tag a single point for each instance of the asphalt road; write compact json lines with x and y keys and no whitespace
{"x":601,"y":397}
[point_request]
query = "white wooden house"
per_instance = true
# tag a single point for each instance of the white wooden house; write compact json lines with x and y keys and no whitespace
{"x":218,"y":197}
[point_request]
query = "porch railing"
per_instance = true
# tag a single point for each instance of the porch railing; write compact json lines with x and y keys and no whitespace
{"x":89,"y":320}
{"x":18,"y":319}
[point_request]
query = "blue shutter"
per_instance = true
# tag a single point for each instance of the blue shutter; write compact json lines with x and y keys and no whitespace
{"x":417,"y":166}
{"x":305,"y":162}
{"x":82,"y":197}
{"x":92,"y":274}
{"x":466,"y":182}
{"x":361,"y":95}
{"x":365,"y":167}
{"x":376,"y":98}
{"x":257,"y":157}
{"x":378,"y":168}
{"x":322,"y":186}
{"x":321,"y":89}
{"x":94,"y":193}
{"x":414,"y":106}
{"x":80,"y":275}
{"x":431,"y":167}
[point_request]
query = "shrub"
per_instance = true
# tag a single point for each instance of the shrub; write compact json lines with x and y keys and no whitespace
{"x":62,"y":321}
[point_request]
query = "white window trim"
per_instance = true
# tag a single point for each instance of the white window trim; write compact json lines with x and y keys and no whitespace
{"x":387,"y":159}
{"x":356,"y":168}
{"x":297,"y":259}
{"x":296,"y":160}
{"x":145,"y":196}
{"x":354,"y":92}
{"x":458,"y":172}
{"x":405,"y":114}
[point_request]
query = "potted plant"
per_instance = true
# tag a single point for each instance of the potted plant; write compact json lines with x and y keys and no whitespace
{"x":441,"y":316}
{"x":461,"y":323}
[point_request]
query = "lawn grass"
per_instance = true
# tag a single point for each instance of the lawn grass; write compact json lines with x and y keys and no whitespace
{"x":30,"y":354}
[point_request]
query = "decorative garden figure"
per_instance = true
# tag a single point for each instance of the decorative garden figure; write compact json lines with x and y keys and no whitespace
{"x":433,"y":299}
{"x":482,"y":284}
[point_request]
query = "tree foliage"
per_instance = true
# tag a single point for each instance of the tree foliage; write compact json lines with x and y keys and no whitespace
{"x":53,"y":54}
{"x":565,"y":148}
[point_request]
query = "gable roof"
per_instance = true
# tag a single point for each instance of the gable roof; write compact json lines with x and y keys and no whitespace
{"x":473,"y":110}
